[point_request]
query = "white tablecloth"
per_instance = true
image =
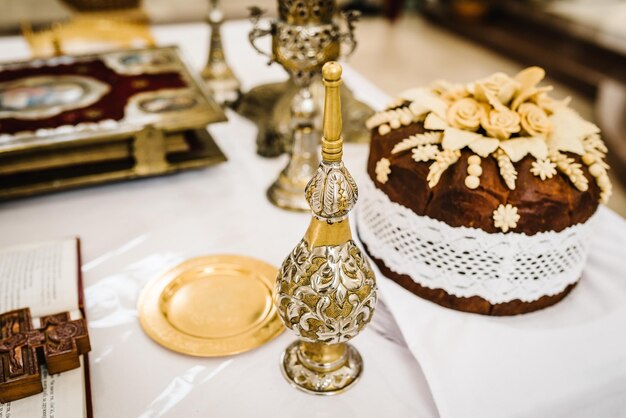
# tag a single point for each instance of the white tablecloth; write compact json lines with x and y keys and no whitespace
{"x":133,"y":231}
{"x":568,"y":360}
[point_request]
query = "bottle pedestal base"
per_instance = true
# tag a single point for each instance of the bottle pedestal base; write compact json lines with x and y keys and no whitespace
{"x":321,"y":369}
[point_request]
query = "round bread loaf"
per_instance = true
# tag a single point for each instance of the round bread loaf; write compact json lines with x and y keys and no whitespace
{"x":499,"y":161}
{"x":543,"y":205}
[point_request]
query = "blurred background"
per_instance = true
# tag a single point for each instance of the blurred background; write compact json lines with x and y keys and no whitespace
{"x":580,"y":43}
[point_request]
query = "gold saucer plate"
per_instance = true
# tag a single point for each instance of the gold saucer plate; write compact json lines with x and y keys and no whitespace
{"x":212,"y":306}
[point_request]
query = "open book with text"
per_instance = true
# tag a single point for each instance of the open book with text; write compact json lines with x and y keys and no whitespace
{"x":46,"y":278}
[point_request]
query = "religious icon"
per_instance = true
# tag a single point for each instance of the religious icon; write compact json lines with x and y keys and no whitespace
{"x":145,"y":59}
{"x":38,"y":96}
{"x":167,"y":104}
{"x":41,"y":97}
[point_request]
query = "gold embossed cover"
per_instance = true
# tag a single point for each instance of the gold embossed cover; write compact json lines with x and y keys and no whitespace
{"x":109,"y":116}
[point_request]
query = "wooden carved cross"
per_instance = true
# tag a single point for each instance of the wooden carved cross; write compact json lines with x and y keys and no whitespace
{"x":65,"y":340}
{"x":59,"y":341}
{"x":19,"y":366}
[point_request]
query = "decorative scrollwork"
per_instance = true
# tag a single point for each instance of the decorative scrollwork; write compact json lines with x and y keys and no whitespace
{"x":307,"y":34}
{"x":304,"y":12}
{"x":332,"y":192}
{"x":327,"y":293}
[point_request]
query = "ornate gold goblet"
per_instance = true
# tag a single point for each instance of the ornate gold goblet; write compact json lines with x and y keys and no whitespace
{"x":305,"y":36}
{"x":326,"y":290}
{"x":304,"y":28}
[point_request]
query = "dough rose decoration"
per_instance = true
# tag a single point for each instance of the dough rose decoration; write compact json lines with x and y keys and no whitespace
{"x":465,"y":113}
{"x":503,"y":118}
{"x":534,"y":120}
{"x":497,"y":89}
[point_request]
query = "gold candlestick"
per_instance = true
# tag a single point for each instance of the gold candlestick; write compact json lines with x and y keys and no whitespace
{"x":287,"y":191}
{"x":326,"y":290}
{"x":217,"y":75}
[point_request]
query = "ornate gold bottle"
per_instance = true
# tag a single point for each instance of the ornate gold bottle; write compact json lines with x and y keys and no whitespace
{"x":326,"y":290}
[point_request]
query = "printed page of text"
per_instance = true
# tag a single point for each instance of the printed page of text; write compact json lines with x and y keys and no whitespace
{"x":63,"y":396}
{"x":41,"y":276}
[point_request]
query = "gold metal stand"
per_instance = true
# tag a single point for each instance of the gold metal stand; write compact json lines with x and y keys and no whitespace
{"x":326,"y":290}
{"x":287,"y":191}
{"x":307,"y":34}
{"x":268,"y":106}
{"x":321,"y":369}
{"x":219,"y":78}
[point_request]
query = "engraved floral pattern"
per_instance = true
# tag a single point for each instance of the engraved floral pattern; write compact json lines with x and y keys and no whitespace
{"x":327,"y":293}
{"x":321,"y":381}
{"x":332,"y":192}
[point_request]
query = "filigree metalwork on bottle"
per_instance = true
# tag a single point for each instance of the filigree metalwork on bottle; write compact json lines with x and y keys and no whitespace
{"x":332,"y":192}
{"x":327,"y":293}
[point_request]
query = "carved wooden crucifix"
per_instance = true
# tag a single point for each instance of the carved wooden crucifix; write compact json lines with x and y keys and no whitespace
{"x":58,"y":342}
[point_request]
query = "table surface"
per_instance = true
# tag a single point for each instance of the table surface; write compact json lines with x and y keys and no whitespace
{"x":132,"y":232}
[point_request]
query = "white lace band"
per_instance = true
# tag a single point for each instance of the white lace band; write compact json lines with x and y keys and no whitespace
{"x":469,"y":262}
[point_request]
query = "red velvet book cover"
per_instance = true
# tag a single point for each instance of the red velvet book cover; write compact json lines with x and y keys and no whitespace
{"x":110,"y":90}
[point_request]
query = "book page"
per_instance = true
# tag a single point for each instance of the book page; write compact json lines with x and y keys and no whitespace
{"x":44,"y":277}
{"x":41,"y":276}
{"x":63,"y":396}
